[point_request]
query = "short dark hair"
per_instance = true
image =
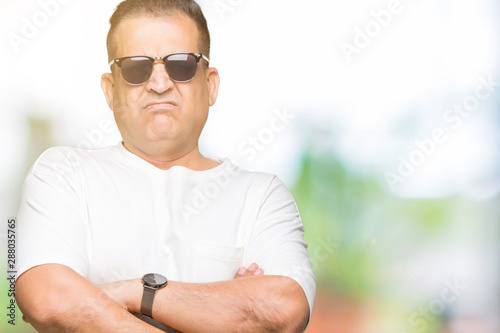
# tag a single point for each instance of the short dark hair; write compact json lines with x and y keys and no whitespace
{"x":159,"y":9}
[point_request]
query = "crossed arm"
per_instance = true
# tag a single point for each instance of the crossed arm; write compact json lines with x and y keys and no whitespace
{"x":54,"y":298}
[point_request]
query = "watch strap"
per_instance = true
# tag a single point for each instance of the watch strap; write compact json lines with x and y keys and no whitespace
{"x":147,"y":301}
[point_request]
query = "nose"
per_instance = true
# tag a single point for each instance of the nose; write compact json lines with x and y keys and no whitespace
{"x":159,"y":80}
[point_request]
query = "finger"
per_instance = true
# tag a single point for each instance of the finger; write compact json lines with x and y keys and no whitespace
{"x":241,"y":272}
{"x":252,"y":270}
{"x":253,"y":267}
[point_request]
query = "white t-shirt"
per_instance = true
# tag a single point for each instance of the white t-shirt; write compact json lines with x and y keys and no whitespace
{"x":110,"y":215}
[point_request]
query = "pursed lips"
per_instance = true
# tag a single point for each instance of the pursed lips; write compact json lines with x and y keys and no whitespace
{"x":160,"y":105}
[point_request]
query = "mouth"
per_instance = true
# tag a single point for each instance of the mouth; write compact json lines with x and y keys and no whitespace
{"x":160,"y":105}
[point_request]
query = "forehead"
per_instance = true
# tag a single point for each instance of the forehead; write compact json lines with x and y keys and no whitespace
{"x":156,"y":36}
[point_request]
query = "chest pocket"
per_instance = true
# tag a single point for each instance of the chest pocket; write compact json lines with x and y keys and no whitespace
{"x":216,"y":262}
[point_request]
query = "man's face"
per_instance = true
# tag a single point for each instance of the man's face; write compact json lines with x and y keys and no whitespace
{"x":160,"y":117}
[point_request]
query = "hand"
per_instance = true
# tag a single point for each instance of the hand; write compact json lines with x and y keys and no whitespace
{"x":252,"y":270}
{"x":124,"y":293}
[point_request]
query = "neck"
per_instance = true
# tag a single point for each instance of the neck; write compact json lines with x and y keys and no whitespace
{"x":191,"y":159}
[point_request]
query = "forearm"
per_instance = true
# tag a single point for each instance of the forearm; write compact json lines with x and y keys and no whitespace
{"x":54,"y":298}
{"x":250,"y":304}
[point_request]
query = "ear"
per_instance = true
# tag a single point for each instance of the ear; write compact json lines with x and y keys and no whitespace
{"x":213,"y":81}
{"x":108,"y":86}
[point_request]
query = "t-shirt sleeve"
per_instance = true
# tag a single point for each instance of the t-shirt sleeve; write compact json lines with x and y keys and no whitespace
{"x":50,"y":220}
{"x":277,"y":243}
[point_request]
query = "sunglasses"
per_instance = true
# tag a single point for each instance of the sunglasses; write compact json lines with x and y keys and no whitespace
{"x":181,"y":67}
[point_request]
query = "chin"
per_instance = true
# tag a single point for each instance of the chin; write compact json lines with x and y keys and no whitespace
{"x":163,"y":128}
{"x":162,"y":136}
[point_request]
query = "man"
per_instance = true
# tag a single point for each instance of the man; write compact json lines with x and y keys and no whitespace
{"x":92,"y":223}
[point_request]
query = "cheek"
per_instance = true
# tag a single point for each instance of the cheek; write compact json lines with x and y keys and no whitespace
{"x":196,"y":108}
{"x":125,"y":99}
{"x":195,"y":99}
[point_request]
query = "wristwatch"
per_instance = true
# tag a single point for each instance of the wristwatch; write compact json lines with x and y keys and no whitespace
{"x":152,"y":282}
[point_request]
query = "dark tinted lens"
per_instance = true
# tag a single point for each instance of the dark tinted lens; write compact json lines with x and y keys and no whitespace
{"x":136,"y":70}
{"x":181,"y":67}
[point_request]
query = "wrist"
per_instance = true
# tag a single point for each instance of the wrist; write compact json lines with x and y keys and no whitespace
{"x":152,"y":282}
{"x":133,"y":302}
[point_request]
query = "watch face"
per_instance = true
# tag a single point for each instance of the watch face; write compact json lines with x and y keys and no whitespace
{"x":154,"y":279}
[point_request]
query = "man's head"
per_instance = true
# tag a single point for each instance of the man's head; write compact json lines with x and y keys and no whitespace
{"x":158,"y":9}
{"x":160,"y":119}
